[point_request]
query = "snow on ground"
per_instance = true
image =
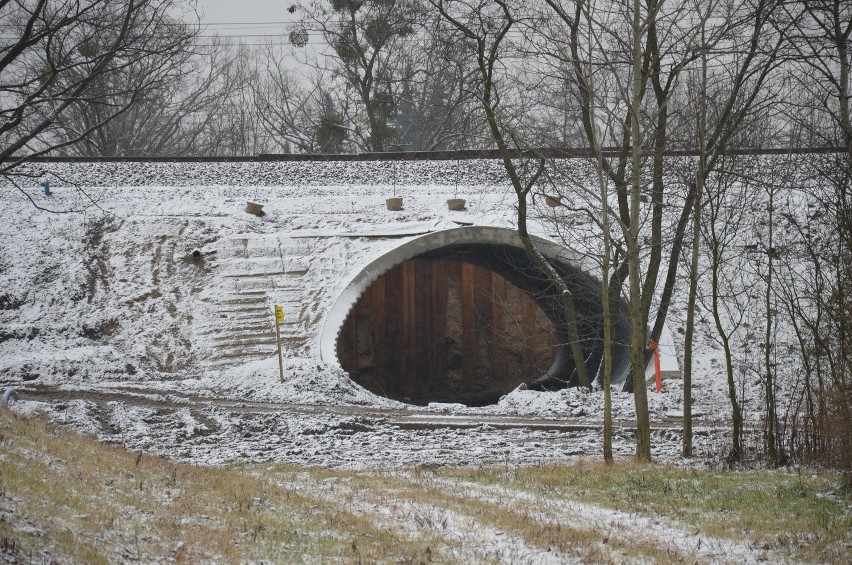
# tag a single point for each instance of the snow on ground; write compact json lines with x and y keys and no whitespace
{"x":110,"y":299}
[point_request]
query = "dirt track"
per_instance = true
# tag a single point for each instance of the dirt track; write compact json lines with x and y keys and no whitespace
{"x":414,"y":417}
{"x":215,"y":431}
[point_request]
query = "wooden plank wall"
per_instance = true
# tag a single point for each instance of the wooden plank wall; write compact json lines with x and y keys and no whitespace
{"x":402,"y":338}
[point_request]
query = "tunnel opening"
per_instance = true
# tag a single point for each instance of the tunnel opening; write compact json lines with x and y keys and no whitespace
{"x":444,"y":330}
{"x":468,"y":321}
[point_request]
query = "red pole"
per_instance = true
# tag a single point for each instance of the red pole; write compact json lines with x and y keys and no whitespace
{"x":652,"y":345}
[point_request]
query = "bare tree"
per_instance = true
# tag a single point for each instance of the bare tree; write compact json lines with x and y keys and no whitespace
{"x":59,"y":53}
{"x":365,"y":38}
{"x":627,"y":62}
{"x":726,"y":91}
{"x":295,"y":110}
{"x":821,"y":49}
{"x":482,"y":27}
{"x":170,"y":116}
{"x":616,"y":55}
{"x":815,"y":281}
{"x":236,"y":128}
{"x":724,"y":223}
{"x":436,"y":109}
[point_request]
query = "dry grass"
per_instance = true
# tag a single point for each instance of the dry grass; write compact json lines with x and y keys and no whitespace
{"x":805,"y":513}
{"x":72,"y":499}
{"x":539,"y":526}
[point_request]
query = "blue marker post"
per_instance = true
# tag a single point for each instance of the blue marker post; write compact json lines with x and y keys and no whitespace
{"x":45,"y":184}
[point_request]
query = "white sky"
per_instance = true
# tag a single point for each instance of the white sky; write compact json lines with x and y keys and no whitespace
{"x":240,"y":11}
{"x":245,"y":21}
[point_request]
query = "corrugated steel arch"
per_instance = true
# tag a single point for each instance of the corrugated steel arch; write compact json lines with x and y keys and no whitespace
{"x":481,"y":237}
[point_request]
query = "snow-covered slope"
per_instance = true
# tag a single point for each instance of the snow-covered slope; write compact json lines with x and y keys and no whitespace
{"x":114,"y":296}
{"x":120,"y":282}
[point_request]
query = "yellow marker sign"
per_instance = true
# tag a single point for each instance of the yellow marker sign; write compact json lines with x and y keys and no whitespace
{"x":279,"y":319}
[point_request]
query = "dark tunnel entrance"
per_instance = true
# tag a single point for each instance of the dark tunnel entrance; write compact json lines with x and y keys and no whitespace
{"x":444,"y":330}
{"x":469,"y":322}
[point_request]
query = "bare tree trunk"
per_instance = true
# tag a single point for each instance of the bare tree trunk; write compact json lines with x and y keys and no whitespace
{"x":769,"y":391}
{"x":607,"y":294}
{"x":638,"y":324}
{"x":689,"y":336}
{"x":607,"y":326}
{"x":736,"y":409}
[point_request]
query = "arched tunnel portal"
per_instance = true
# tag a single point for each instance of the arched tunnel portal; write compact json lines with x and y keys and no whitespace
{"x":463,"y":315}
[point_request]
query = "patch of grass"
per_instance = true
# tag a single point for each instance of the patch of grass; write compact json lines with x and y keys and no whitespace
{"x":806,"y":512}
{"x":70,"y":498}
{"x":537,"y":526}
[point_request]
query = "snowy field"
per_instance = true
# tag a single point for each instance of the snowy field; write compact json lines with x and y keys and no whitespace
{"x":111,"y":325}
